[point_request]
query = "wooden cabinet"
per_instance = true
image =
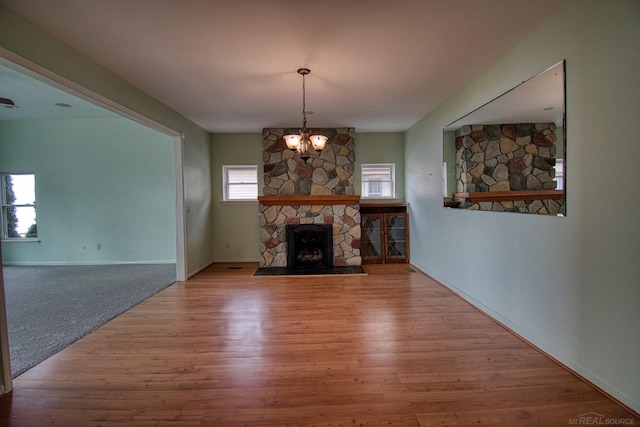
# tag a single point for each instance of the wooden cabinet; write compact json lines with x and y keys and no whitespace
{"x":385,"y":233}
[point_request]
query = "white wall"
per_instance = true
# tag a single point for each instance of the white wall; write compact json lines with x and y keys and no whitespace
{"x":574,"y":288}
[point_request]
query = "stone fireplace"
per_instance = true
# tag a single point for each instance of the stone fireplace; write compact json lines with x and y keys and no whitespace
{"x":318,"y":192}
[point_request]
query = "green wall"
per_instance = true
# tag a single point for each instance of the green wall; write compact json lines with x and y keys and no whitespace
{"x":235,"y":224}
{"x":381,"y":147}
{"x":98,"y":181}
{"x":449,"y":156}
{"x":567,"y":284}
{"x":572,"y":288}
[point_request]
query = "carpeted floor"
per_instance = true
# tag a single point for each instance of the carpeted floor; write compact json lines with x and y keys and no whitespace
{"x":50,"y":307}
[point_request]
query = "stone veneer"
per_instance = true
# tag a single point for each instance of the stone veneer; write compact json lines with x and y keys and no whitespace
{"x":273,"y":236}
{"x":328,"y":175}
{"x":508,"y":157}
{"x":331,"y":172}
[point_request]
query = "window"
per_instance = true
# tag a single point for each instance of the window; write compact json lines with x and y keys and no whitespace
{"x":559,"y":174}
{"x":240,"y":182}
{"x":18,"y":206}
{"x":375,"y":188}
{"x":378,"y":180}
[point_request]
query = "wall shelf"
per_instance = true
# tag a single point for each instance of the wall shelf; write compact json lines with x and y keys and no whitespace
{"x":504,"y":196}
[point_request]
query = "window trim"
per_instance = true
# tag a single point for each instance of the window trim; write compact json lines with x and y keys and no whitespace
{"x":225,"y":183}
{"x":3,"y":205}
{"x":392,"y":181}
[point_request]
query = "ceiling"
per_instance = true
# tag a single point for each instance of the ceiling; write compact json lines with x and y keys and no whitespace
{"x":35,"y":99}
{"x":230,"y":65}
{"x":539,"y":99}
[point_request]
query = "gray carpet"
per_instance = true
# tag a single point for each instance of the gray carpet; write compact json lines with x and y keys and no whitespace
{"x":50,"y":307}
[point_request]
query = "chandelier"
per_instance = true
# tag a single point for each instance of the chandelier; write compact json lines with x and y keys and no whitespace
{"x":303,"y":141}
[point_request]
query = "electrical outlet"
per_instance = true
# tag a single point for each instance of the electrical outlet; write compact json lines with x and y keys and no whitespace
{"x":99,"y":246}
{"x":228,"y":245}
{"x":84,"y":247}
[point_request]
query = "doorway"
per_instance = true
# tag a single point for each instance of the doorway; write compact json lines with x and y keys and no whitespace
{"x":96,"y":249}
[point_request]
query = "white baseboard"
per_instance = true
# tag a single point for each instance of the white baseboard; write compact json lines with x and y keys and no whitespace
{"x":62,"y":263}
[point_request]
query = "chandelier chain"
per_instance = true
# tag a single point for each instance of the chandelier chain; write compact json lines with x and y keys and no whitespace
{"x":304,"y":143}
{"x":304,"y":104}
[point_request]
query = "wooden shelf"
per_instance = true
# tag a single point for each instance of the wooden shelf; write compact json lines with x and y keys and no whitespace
{"x":503,"y":196}
{"x":382,"y":207}
{"x":385,"y":234}
{"x":308,"y":200}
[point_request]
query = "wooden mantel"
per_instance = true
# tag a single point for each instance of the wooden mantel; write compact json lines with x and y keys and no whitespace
{"x":308,"y":200}
{"x":502,"y":196}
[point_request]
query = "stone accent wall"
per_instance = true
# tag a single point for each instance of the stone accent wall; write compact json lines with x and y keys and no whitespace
{"x":330,"y":173}
{"x":273,"y":235}
{"x":508,"y":157}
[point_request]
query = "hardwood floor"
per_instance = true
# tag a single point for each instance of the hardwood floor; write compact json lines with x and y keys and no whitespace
{"x":228,"y":349}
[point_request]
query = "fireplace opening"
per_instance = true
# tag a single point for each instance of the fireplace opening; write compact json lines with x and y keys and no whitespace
{"x":309,"y":247}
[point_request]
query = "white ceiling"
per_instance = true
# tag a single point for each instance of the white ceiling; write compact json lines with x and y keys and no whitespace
{"x":230,"y":65}
{"x":539,"y":99}
{"x":35,"y":99}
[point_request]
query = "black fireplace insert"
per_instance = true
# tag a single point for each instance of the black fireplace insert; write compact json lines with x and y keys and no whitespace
{"x":309,"y":247}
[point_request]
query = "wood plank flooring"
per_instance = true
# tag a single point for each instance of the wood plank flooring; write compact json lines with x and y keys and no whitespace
{"x":228,"y":349}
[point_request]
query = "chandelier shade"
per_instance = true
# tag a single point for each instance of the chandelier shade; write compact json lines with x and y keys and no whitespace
{"x":318,"y":142}
{"x":293,"y":141}
{"x":303,"y":142}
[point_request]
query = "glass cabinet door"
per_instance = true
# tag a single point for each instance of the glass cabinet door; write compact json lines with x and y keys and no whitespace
{"x":396,"y":229}
{"x":372,"y":238}
{"x":384,"y":233}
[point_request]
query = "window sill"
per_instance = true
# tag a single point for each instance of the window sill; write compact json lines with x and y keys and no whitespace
{"x":238,"y":202}
{"x":24,"y":240}
{"x":374,"y":199}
